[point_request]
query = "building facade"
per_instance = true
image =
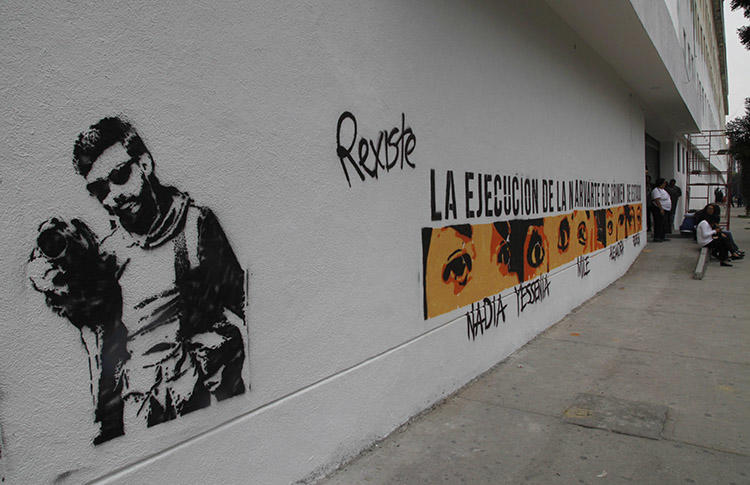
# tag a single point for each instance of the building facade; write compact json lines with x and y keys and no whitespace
{"x":385,"y":200}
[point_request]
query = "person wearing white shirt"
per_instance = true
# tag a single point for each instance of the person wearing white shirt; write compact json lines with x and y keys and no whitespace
{"x":712,"y":238}
{"x":661,"y":205}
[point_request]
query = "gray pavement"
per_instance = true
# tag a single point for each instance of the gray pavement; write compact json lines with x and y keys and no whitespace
{"x":657,"y":354}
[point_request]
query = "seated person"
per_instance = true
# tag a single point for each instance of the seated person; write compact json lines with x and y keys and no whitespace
{"x":737,"y":253}
{"x":712,"y":214}
{"x":714,"y":239}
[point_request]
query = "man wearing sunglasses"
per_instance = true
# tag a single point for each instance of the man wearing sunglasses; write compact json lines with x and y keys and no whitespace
{"x":170,"y":338}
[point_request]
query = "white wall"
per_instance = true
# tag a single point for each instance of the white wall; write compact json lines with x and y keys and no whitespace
{"x":238,"y":105}
{"x":670,"y":168}
{"x":670,"y":27}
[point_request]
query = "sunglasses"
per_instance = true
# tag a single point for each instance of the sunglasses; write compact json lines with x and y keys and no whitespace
{"x":119,"y":175}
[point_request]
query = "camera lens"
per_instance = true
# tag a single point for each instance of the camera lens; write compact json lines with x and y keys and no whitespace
{"x":52,"y":243}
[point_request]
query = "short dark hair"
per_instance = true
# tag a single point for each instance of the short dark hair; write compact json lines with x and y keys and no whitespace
{"x":102,"y":135}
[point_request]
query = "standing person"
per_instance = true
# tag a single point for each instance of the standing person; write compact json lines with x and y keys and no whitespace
{"x":661,"y":205}
{"x":159,"y":301}
{"x":649,"y":188}
{"x":675,"y":193}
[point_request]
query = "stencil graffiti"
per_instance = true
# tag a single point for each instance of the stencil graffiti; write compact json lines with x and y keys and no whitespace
{"x":388,"y":151}
{"x":475,"y":195}
{"x":636,"y":239}
{"x":486,"y":195}
{"x":465,"y":263}
{"x":159,"y":301}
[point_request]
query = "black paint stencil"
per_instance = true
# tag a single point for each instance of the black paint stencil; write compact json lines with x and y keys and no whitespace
{"x":159,"y":301}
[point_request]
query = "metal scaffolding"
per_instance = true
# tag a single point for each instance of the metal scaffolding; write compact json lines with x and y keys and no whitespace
{"x":709,"y":169}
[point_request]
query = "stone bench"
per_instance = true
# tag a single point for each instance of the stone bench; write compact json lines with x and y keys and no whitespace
{"x":700,"y":265}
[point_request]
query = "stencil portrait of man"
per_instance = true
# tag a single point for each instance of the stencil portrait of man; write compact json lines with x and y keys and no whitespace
{"x":159,"y":301}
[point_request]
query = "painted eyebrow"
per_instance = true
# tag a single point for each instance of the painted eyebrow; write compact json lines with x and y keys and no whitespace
{"x":451,"y":254}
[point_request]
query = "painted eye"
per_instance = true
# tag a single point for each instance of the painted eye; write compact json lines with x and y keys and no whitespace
{"x":610,"y":228}
{"x":535,"y":254}
{"x":563,"y":235}
{"x":458,"y":269}
{"x":582,"y":233}
{"x":629,"y":215}
{"x":503,"y":255}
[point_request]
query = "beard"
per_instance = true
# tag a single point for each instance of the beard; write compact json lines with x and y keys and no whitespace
{"x":137,"y":214}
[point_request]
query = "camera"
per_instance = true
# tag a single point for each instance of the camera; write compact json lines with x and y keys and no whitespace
{"x":67,"y":244}
{"x":79,"y":280}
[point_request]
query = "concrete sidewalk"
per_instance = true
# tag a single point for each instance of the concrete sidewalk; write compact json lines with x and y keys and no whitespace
{"x":655,"y":354}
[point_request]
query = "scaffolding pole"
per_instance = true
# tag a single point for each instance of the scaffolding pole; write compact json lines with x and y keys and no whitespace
{"x":709,"y":166}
